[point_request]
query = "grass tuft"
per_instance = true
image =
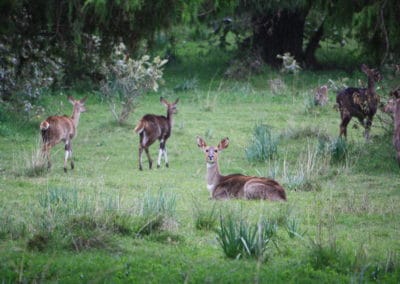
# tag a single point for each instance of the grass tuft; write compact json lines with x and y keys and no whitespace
{"x":204,"y":218}
{"x":263,"y":146}
{"x":239,"y":238}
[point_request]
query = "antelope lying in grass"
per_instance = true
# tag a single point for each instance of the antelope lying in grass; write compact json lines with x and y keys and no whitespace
{"x":55,"y":129}
{"x":236,"y":185}
{"x":359,"y":102}
{"x":152,"y":127}
{"x":393,"y":106}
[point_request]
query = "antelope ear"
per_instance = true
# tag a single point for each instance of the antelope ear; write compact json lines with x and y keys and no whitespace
{"x":71,"y":99}
{"x":163,"y":101}
{"x":364,"y":68}
{"x":177,"y":100}
{"x":201,"y":143}
{"x":82,"y":101}
{"x":223,"y":144}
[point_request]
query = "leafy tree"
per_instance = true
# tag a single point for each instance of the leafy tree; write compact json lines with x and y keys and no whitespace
{"x":83,"y":32}
{"x":297,"y":26}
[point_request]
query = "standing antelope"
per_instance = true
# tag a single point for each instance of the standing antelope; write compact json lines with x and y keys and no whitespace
{"x":55,"y":129}
{"x":152,"y":127}
{"x":236,"y":185}
{"x":393,"y":106}
{"x":359,"y":102}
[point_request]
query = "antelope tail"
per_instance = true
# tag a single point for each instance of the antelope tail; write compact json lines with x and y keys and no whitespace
{"x":44,"y":125}
{"x":140,"y":126}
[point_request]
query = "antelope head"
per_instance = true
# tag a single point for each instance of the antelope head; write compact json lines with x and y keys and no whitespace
{"x":211,"y":152}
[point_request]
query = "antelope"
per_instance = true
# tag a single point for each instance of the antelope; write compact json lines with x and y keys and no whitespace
{"x":393,"y":106}
{"x":152,"y":127}
{"x":321,"y":95}
{"x":236,"y":185}
{"x":359,"y":102}
{"x":55,"y":129}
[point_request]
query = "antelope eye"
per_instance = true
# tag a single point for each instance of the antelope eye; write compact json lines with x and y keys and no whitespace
{"x":207,"y":150}
{"x":216,"y":151}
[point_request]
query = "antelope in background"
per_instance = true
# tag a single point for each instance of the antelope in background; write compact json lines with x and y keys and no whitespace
{"x":393,"y":106}
{"x":321,"y":95}
{"x":236,"y":185}
{"x":152,"y":127}
{"x":55,"y":129}
{"x":359,"y":102}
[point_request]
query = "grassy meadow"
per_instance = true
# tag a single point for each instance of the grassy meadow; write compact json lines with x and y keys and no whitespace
{"x":106,"y":221}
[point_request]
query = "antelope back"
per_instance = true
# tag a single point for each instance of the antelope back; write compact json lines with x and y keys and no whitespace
{"x":62,"y":128}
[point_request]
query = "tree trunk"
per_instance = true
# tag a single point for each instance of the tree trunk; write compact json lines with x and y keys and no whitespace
{"x":313,"y":44}
{"x":278,"y":33}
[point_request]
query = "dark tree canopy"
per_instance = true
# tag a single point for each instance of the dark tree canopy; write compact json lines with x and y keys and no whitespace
{"x":76,"y":35}
{"x":298,"y":26}
{"x":82,"y":31}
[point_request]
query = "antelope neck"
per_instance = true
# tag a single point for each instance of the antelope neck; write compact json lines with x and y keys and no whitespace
{"x":75,"y":117}
{"x":213,"y":174}
{"x":371,"y":83}
{"x":170,"y":118}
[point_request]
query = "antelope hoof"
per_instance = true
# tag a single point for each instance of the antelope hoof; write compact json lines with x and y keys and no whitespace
{"x":72,"y":165}
{"x":167,"y":165}
{"x":140,"y":168}
{"x":150,"y":165}
{"x":65,"y":170}
{"x":158,"y":166}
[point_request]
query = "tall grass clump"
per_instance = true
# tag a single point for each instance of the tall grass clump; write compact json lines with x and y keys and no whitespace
{"x":204,"y":218}
{"x":263,"y":146}
{"x":12,"y":226}
{"x":293,"y":228}
{"x":155,"y":212}
{"x":303,"y":175}
{"x":30,"y":163}
{"x":337,"y":149}
{"x":240,"y":239}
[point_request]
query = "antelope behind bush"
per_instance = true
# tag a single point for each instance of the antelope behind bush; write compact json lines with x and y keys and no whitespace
{"x":55,"y":129}
{"x":361,"y":103}
{"x":236,"y":185}
{"x":152,"y":127}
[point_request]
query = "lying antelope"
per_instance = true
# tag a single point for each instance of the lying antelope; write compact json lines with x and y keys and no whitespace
{"x":359,"y":102}
{"x":236,"y":185}
{"x":55,"y":129}
{"x":152,"y":127}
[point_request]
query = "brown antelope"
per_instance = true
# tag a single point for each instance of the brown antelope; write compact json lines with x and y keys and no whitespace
{"x":393,"y":106}
{"x":55,"y":129}
{"x":359,"y":102}
{"x":152,"y":127}
{"x":236,"y":185}
{"x":321,"y":95}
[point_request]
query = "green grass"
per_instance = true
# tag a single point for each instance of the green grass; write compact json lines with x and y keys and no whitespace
{"x":106,"y":221}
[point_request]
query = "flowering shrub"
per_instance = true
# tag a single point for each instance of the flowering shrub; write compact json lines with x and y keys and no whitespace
{"x":127,"y":79}
{"x":26,"y":69}
{"x":289,"y":63}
